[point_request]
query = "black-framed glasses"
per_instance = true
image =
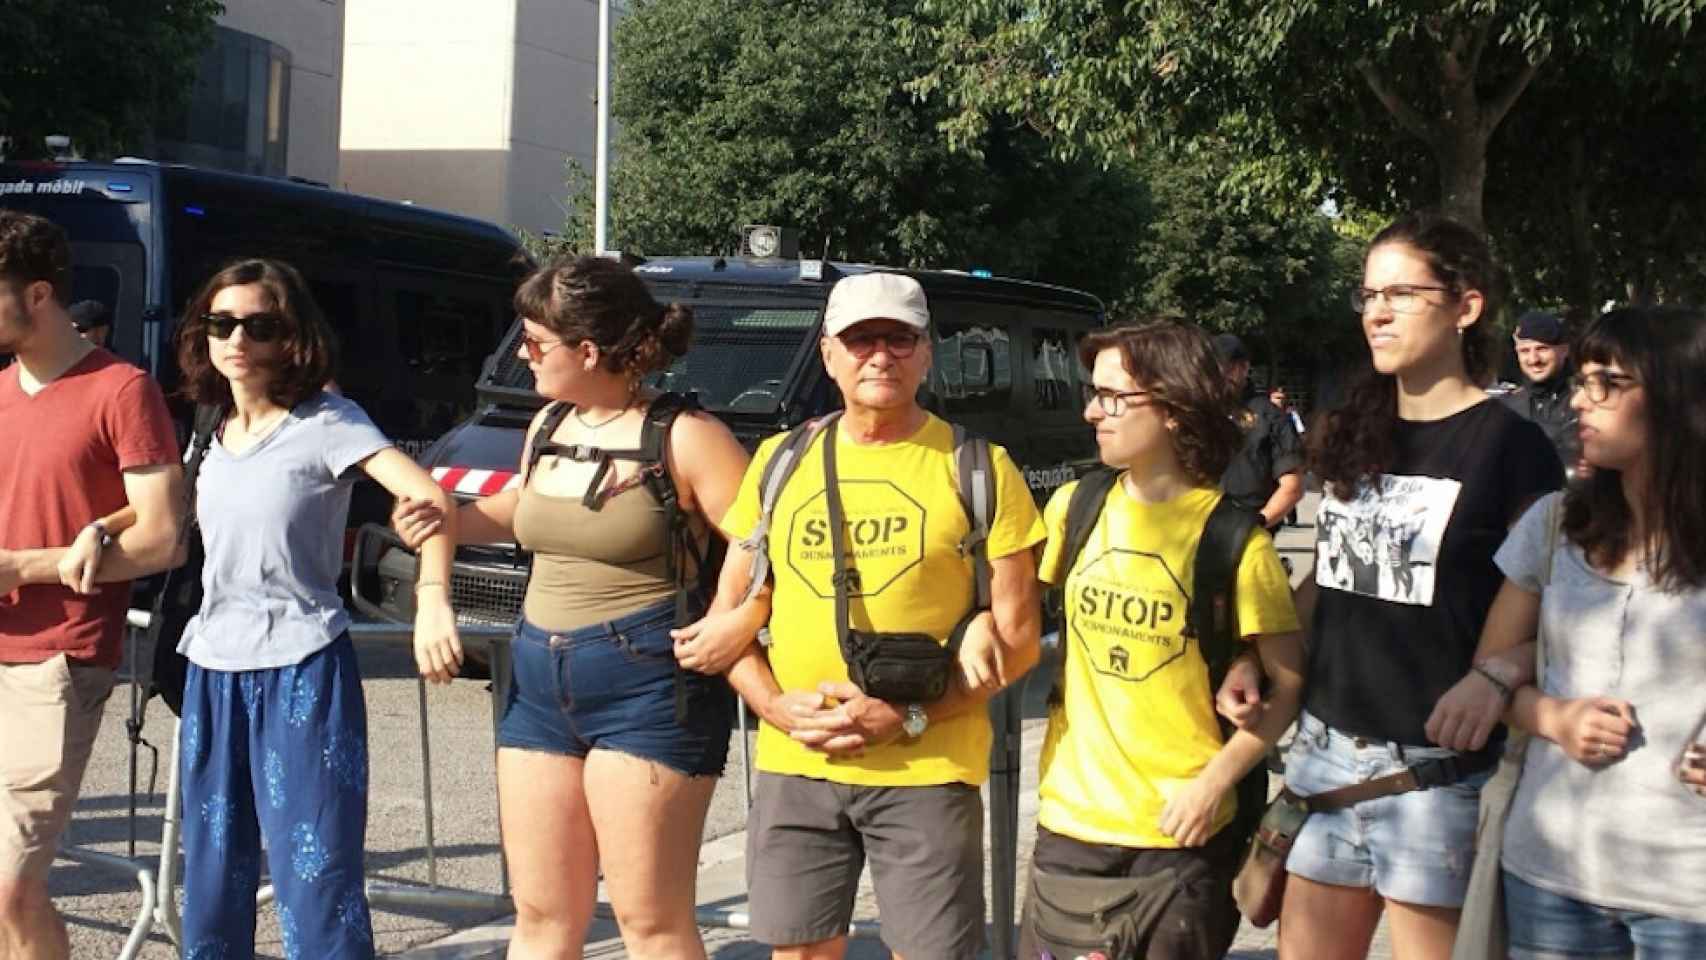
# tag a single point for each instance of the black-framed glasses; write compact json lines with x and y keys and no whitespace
{"x":537,"y":348}
{"x":900,"y":344}
{"x":1113,"y":402}
{"x":1401,"y":297}
{"x":1601,"y":386}
{"x":261,"y":327}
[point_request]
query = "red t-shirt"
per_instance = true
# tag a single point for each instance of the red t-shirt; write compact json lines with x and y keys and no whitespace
{"x":62,"y":453}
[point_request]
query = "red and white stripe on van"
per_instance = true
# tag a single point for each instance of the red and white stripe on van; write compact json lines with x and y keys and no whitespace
{"x":475,"y":483}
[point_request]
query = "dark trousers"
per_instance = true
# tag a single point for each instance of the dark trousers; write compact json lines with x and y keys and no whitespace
{"x":1200,"y":921}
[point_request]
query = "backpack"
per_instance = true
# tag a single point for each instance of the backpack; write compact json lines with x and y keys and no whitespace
{"x":1211,"y":617}
{"x":179,"y":597}
{"x":691,"y":599}
{"x":974,"y":473}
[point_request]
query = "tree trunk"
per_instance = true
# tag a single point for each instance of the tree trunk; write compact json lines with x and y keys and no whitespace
{"x":1583,"y":283}
{"x":1462,"y":159}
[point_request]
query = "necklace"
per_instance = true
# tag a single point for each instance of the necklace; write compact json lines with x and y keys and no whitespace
{"x":607,"y":421}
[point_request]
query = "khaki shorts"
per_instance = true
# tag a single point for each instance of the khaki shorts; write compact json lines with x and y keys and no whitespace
{"x":807,"y":841}
{"x":50,"y":714}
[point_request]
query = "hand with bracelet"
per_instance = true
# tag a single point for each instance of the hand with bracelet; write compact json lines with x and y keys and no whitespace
{"x":1472,"y":709}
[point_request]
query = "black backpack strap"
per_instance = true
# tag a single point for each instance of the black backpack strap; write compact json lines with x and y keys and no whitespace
{"x":653,"y":456}
{"x":555,"y":413}
{"x":205,"y":423}
{"x":1082,"y":512}
{"x":1212,"y":618}
{"x":771,"y":481}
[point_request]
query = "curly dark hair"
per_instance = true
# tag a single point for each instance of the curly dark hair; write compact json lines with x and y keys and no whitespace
{"x":1664,"y":349}
{"x":1176,"y":363}
{"x":1357,"y":442}
{"x":34,"y":249}
{"x":601,"y":300}
{"x":307,"y":355}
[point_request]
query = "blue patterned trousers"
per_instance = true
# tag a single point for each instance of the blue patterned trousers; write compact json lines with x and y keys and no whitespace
{"x":279,"y":753}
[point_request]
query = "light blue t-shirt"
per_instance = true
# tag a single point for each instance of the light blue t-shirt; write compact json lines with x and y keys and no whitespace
{"x":272,"y":527}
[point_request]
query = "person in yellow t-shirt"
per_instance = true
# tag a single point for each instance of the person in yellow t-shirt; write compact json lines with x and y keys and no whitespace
{"x":843,"y":776}
{"x":1136,"y":776}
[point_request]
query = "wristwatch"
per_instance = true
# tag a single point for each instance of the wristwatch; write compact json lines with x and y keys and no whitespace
{"x":101,"y":529}
{"x":915,"y":722}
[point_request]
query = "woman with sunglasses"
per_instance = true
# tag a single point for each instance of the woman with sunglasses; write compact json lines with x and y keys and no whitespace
{"x":607,"y":754}
{"x":1423,"y":476}
{"x":1137,"y":778}
{"x":1605,"y":845}
{"x":273,"y":740}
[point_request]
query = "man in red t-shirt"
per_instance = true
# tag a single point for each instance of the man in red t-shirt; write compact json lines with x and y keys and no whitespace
{"x":82,"y":433}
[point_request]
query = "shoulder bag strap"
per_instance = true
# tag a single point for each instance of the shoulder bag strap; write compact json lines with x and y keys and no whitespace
{"x":838,"y":545}
{"x":975,"y":473}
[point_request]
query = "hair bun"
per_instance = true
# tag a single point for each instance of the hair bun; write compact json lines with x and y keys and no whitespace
{"x":675,"y":329}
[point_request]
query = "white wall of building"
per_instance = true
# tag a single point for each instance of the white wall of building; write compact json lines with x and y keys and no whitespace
{"x":469,"y":105}
{"x":313,"y":32}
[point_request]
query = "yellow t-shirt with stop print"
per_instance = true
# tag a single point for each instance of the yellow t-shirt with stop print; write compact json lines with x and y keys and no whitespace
{"x":904,"y":524}
{"x":1137,"y":722}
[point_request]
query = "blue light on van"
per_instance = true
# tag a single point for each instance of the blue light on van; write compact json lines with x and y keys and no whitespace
{"x":117,"y":186}
{"x":982,"y":274}
{"x":194,"y":211}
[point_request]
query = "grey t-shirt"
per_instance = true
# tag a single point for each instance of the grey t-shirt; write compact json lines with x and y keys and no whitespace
{"x":272,"y":525}
{"x":1628,"y":835}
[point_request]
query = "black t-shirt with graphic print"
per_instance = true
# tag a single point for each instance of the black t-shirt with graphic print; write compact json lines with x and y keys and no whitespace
{"x":1405,"y":570}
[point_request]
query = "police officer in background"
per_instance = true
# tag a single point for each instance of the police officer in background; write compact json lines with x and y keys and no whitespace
{"x":1543,"y":353}
{"x":1266,"y":473}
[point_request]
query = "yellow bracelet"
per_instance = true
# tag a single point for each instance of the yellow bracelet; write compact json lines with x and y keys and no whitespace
{"x":427,"y":583}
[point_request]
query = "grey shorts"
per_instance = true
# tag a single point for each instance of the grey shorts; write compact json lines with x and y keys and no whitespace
{"x":807,"y":841}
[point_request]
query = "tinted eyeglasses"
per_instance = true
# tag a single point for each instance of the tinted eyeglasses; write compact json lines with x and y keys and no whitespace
{"x":1600,"y":386}
{"x":900,"y":344}
{"x":261,"y":327}
{"x":537,"y":348}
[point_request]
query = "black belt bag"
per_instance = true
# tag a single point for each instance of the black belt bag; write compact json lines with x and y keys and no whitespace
{"x":896,"y":667}
{"x":1073,"y":916}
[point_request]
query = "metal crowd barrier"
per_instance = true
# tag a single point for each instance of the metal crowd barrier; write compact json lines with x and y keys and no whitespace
{"x":159,"y":901}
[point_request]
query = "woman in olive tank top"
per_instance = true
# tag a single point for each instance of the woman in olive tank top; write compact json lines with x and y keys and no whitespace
{"x":607,"y":749}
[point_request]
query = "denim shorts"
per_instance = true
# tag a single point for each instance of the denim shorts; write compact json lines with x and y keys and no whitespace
{"x":1549,"y":926}
{"x":1415,"y":847}
{"x":612,"y":686}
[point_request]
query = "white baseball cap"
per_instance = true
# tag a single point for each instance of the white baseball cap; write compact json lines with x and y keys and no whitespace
{"x":875,"y":296}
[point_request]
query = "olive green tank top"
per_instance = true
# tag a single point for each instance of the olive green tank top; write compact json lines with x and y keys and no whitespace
{"x":589,"y":565}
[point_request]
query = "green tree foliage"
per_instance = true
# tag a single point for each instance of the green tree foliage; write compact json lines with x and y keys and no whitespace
{"x":1380,"y":104}
{"x":1280,"y":278}
{"x":1597,"y":177}
{"x":99,"y":71}
{"x":795,"y":112}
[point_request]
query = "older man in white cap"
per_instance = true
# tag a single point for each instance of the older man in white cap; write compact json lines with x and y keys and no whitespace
{"x":850,"y":771}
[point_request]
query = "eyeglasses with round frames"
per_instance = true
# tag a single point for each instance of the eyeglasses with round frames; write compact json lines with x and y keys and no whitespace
{"x":261,"y":327}
{"x":1600,"y":386}
{"x":1401,"y":297}
{"x":900,"y":344}
{"x":1114,"y":403}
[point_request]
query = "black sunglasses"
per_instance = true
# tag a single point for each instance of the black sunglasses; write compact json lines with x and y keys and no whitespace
{"x":261,"y":327}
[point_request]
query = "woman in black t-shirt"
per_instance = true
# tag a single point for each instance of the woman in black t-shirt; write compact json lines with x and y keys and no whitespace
{"x":1422,"y":478}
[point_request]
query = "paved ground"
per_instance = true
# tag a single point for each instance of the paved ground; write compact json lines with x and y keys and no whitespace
{"x":100,"y":906}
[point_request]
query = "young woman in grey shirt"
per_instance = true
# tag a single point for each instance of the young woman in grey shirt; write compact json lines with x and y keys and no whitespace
{"x":274,"y":734}
{"x":1605,"y":846}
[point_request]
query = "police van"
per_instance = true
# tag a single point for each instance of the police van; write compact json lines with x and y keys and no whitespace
{"x":1005,"y":366}
{"x":416,"y":296}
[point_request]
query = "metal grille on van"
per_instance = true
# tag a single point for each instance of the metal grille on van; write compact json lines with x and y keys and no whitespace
{"x":486,"y":597}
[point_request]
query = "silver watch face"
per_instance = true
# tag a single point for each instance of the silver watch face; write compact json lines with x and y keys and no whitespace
{"x":915,"y":721}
